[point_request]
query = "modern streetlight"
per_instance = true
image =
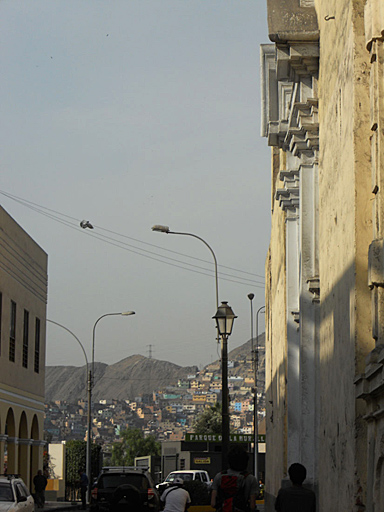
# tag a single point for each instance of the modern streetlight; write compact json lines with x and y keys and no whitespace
{"x":91,"y":374}
{"x":165,"y":229}
{"x":224,"y":320}
{"x":74,"y":335}
{"x":89,"y":386}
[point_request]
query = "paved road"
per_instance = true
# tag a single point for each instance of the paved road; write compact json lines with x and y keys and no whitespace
{"x":51,"y":506}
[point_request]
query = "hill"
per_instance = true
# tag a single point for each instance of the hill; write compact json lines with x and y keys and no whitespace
{"x":127,"y":378}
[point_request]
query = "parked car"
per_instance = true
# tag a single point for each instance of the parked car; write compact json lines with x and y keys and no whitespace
{"x":187,"y":475}
{"x":124,"y":488}
{"x":14,"y":495}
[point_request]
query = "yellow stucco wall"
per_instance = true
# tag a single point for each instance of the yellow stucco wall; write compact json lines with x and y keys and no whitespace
{"x":345,"y":232}
{"x":23,"y":280}
{"x":275,"y":345}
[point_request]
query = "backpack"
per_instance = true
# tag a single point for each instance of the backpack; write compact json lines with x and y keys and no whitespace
{"x":231,"y":493}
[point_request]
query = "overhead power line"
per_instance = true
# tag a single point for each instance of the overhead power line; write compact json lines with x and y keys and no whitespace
{"x":73,"y":223}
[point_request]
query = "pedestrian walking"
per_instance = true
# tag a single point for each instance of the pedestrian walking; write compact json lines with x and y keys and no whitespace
{"x":235,"y":489}
{"x":40,"y":483}
{"x":83,"y":482}
{"x":296,"y":497}
{"x":175,"y":498}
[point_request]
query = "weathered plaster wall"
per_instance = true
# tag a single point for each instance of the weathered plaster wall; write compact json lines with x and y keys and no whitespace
{"x":370,"y":384}
{"x":276,"y":342}
{"x":344,"y":237}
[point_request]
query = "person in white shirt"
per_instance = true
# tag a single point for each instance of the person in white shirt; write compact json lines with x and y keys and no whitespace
{"x":175,"y":498}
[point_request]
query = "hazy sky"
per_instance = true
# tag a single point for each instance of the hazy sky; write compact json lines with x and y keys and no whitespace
{"x":129,"y":113}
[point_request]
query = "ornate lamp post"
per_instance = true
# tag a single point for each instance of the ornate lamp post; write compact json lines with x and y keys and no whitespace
{"x":224,"y":321}
{"x":256,"y":402}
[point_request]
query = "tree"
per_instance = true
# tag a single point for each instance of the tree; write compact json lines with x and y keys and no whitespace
{"x":209,"y":421}
{"x":75,"y":458}
{"x":133,"y":444}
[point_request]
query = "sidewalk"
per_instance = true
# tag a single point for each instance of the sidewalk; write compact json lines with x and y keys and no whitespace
{"x":50,"y":506}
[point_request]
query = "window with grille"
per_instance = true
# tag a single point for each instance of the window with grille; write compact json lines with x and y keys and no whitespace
{"x":37,"y":345}
{"x":12,"y":333}
{"x":25,"y":338}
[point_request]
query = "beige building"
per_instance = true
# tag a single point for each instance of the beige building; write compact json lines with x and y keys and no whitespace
{"x":23,"y":298}
{"x":323,"y":116}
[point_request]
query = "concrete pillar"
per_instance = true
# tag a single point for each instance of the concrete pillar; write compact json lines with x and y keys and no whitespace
{"x":36,"y":458}
{"x":24,"y":458}
{"x":309,"y":317}
{"x":12,"y":451}
{"x":3,"y":440}
{"x":293,"y":337}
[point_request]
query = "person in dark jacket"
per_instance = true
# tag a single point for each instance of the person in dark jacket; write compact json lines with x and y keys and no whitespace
{"x":296,"y":497}
{"x":83,"y":488}
{"x":40,"y":483}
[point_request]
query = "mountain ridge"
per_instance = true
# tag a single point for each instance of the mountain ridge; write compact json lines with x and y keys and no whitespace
{"x":125,"y":379}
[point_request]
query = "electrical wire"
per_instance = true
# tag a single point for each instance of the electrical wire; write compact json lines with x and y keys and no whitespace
{"x":25,"y":202}
{"x":61,"y":218}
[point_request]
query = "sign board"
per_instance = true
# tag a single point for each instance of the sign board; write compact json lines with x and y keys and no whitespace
{"x":202,"y":460}
{"x":216,"y":438}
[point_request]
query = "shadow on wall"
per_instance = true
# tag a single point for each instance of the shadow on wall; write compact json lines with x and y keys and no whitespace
{"x":336,"y":361}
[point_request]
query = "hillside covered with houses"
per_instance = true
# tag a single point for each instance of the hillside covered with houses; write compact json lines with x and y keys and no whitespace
{"x":168,"y":412}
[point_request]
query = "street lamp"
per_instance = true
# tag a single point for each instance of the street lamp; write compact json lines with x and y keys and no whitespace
{"x":91,"y":374}
{"x":255,"y":426}
{"x":224,"y":320}
{"x":256,"y":403}
{"x":165,"y":229}
{"x":89,"y":387}
{"x":224,"y":323}
{"x":76,"y":338}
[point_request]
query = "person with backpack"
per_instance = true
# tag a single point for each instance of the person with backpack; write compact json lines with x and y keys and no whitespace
{"x":234,"y":489}
{"x":175,"y":498}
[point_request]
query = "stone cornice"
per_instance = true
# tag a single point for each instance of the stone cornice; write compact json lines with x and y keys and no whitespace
{"x":292,"y":20}
{"x":26,"y":442}
{"x":290,"y":107}
{"x":297,"y":59}
{"x":289,"y":196}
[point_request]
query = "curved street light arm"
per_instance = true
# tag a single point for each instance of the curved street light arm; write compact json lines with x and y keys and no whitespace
{"x":213,"y":254}
{"x":74,"y":335}
{"x":93,"y":337}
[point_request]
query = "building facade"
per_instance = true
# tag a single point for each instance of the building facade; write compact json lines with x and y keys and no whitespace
{"x":323,"y":116}
{"x":23,"y":298}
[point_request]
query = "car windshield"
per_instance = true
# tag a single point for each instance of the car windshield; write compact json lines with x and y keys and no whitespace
{"x":112,"y":481}
{"x":185,"y":476}
{"x":6,"y":491}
